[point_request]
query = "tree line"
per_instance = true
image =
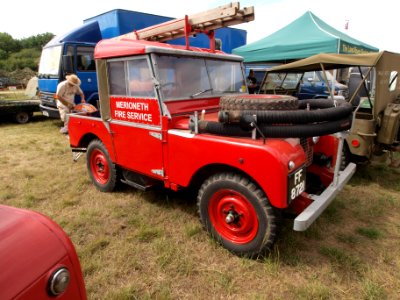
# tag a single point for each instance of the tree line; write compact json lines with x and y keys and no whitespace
{"x":23,"y":53}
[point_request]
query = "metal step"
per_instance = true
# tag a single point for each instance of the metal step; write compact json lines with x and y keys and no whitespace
{"x":139,"y":181}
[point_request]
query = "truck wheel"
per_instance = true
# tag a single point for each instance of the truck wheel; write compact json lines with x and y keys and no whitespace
{"x":237,"y":214}
{"x":258,"y":102}
{"x":22,"y":117}
{"x":102,"y":170}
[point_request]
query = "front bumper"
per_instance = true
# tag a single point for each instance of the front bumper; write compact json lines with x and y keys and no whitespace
{"x":321,"y":202}
{"x":50,"y":112}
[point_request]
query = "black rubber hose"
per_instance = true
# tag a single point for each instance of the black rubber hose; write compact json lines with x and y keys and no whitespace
{"x":343,"y":110}
{"x":220,"y":129}
{"x":318,"y":103}
{"x":275,"y":131}
{"x":307,"y":130}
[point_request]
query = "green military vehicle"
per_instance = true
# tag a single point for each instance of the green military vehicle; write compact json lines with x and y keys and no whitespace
{"x":375,"y":98}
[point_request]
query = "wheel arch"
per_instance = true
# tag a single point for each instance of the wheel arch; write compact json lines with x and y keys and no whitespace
{"x":209,"y":170}
{"x":89,"y":137}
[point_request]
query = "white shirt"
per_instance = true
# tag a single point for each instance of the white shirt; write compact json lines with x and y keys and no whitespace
{"x":67,"y":92}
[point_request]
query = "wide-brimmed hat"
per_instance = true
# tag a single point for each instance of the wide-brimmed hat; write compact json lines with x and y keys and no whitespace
{"x":73,"y":79}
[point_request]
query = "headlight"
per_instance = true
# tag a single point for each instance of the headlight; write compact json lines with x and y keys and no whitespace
{"x":59,"y":281}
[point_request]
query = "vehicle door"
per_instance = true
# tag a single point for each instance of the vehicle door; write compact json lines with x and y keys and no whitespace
{"x":86,"y":71}
{"x":135,"y":116}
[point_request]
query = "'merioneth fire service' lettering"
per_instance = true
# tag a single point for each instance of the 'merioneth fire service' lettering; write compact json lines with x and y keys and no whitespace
{"x":132,"y":105}
{"x":136,"y":110}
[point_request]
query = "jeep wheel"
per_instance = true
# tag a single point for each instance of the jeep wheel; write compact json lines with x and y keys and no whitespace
{"x":237,"y":214}
{"x":102,"y":170}
{"x":258,"y":102}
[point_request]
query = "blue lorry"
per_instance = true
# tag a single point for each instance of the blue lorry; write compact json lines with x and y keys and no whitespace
{"x":73,"y":52}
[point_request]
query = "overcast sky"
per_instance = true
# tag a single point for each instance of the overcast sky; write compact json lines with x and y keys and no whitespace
{"x":370,"y":21}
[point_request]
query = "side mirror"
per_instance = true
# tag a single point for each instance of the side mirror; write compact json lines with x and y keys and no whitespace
{"x":67,"y":64}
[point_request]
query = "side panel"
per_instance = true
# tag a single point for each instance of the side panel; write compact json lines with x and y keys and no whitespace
{"x":47,"y":85}
{"x":138,"y":149}
{"x":81,"y":126}
{"x":266,"y":164}
{"x":137,"y":137}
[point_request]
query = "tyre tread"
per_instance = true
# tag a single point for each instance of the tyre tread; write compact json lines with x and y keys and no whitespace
{"x":272,"y":215}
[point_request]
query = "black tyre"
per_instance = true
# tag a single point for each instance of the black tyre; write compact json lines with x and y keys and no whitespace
{"x":237,"y":214}
{"x":258,"y":102}
{"x":22,"y":117}
{"x":102,"y":170}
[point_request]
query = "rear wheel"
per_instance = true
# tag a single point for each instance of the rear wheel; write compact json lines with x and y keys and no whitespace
{"x":102,"y":170}
{"x":237,"y":214}
{"x":22,"y":117}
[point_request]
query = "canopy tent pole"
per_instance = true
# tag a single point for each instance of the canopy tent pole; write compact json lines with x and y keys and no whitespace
{"x":326,"y":80}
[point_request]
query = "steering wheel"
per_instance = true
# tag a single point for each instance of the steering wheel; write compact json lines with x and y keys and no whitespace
{"x":281,"y":90}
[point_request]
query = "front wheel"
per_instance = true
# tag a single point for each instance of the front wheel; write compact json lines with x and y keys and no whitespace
{"x":237,"y":214}
{"x":102,"y":170}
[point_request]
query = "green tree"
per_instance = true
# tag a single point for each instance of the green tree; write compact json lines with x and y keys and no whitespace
{"x":8,"y":44}
{"x":36,"y":41}
{"x":19,"y":55}
{"x":26,"y":58}
{"x":3,"y":54}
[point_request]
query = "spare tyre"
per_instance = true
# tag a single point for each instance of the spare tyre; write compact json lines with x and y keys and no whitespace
{"x":258,"y":102}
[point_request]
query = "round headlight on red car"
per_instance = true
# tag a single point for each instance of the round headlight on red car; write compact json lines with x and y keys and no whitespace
{"x":59,"y":281}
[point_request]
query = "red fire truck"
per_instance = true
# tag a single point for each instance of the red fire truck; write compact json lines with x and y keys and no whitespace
{"x":37,"y":259}
{"x":182,"y":117}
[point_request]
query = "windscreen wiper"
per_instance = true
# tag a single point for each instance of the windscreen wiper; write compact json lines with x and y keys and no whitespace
{"x":201,"y":92}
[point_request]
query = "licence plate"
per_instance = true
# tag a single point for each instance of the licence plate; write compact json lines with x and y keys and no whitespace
{"x":45,"y":113}
{"x":296,"y":183}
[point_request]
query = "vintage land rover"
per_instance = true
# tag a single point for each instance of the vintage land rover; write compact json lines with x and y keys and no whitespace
{"x":181,"y":117}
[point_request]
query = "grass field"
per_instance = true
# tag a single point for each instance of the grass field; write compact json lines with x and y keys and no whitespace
{"x":135,"y":245}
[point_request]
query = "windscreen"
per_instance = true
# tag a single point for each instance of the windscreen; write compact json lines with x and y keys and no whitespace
{"x":50,"y":61}
{"x":281,"y":80}
{"x":189,"y":77}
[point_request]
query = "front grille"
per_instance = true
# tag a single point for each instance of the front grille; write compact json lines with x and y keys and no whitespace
{"x":47,"y":99}
{"x":308,"y":150}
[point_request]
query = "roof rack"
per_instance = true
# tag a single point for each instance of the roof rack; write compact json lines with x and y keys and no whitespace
{"x":205,"y":22}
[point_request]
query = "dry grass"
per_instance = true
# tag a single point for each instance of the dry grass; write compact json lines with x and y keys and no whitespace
{"x":135,"y":245}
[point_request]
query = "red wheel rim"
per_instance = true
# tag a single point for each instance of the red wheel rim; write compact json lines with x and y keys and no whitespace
{"x":99,"y":166}
{"x":233,"y":216}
